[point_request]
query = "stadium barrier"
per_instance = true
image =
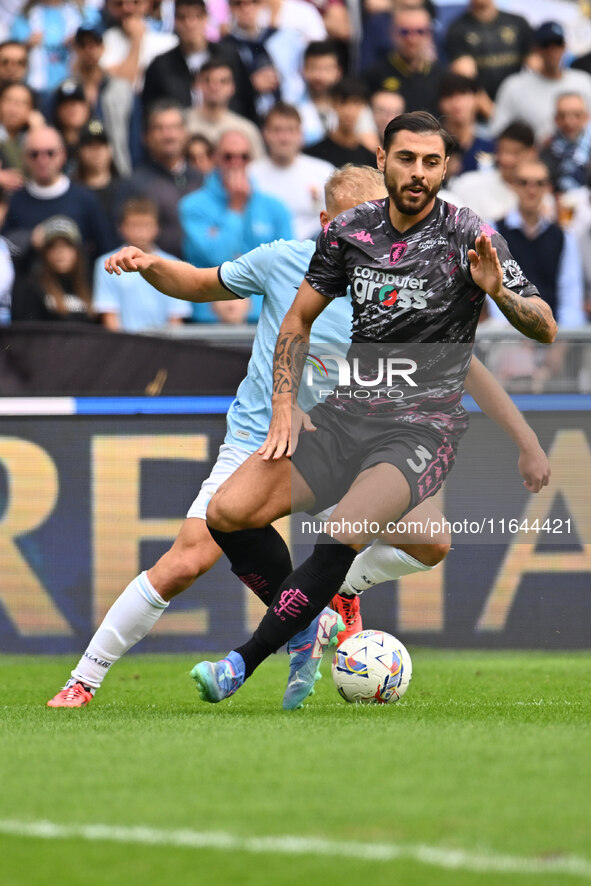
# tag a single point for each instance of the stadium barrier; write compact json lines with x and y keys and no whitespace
{"x":93,"y":489}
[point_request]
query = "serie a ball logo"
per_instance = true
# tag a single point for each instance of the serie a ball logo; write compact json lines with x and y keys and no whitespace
{"x":372,"y":667}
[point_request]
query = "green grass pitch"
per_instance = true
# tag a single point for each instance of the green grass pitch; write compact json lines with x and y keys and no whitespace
{"x":488,"y":754}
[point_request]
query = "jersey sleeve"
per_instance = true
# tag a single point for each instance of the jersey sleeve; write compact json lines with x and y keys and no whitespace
{"x":326,"y":273}
{"x":470,"y":226}
{"x":246,"y":276}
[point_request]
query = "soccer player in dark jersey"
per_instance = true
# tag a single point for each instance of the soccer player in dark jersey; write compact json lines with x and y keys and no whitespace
{"x":419,"y":271}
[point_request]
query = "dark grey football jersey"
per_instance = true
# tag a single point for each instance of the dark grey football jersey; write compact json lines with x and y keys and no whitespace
{"x":414,"y":300}
{"x":411,"y":287}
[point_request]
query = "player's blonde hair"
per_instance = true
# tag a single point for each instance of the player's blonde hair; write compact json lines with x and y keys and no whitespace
{"x":357,"y":183}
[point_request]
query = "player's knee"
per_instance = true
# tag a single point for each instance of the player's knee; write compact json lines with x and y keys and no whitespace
{"x":435,"y":553}
{"x":229,"y":516}
{"x":350,"y":539}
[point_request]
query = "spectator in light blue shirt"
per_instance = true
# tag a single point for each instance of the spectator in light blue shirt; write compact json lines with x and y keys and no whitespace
{"x":47,"y":28}
{"x":228,"y":217}
{"x":127,"y":302}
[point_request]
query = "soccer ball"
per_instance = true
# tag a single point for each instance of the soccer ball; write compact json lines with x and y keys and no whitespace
{"x":371,"y":667}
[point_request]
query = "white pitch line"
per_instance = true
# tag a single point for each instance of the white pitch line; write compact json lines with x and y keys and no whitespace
{"x":450,"y":859}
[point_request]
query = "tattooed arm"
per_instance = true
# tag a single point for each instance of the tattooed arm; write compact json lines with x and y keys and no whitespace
{"x":288,"y":363}
{"x":532,"y":315}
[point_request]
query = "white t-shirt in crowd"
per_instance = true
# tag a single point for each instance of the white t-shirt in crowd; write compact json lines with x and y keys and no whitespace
{"x":299,"y":186}
{"x":530,"y":97}
{"x":117,"y":46}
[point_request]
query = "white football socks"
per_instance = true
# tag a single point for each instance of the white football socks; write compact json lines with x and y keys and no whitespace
{"x":377,"y":563}
{"x":130,"y":618}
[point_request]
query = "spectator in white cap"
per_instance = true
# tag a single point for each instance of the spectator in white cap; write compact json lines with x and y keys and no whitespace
{"x":57,"y":288}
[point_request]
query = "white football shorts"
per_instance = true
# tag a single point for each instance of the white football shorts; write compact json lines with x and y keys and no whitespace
{"x":229,"y":458}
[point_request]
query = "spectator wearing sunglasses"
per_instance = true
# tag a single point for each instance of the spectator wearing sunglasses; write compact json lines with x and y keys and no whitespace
{"x":49,"y":192}
{"x":410,"y":68}
{"x":13,"y":62}
{"x":227,"y":217}
{"x":545,"y":252}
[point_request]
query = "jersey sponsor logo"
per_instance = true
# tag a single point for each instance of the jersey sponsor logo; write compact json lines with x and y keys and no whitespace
{"x":432,"y":243}
{"x":512,"y":273}
{"x":397,"y":250}
{"x":363,"y":237}
{"x":402,"y":290}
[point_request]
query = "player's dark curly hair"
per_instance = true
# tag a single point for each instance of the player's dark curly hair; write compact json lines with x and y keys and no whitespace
{"x":420,"y":122}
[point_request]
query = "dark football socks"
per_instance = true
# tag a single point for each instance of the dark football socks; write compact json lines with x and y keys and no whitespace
{"x":259,"y":557}
{"x":300,"y":598}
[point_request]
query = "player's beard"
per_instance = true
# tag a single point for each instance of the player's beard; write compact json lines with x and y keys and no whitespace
{"x":408,"y":203}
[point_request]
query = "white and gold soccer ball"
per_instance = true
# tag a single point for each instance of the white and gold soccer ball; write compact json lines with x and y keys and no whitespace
{"x":372,"y":667}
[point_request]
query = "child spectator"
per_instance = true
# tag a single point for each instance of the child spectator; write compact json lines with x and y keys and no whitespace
{"x":57,"y":288}
{"x":127,"y":302}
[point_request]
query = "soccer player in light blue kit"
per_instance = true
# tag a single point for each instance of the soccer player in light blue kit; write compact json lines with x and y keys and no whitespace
{"x":276,"y":271}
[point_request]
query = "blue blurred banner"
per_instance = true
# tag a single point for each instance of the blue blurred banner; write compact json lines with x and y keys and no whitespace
{"x":86,"y":502}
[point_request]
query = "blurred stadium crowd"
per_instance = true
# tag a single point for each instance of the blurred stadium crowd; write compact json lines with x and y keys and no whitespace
{"x":203,"y":128}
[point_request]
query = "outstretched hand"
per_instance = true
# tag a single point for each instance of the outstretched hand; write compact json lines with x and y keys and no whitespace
{"x":286,"y":424}
{"x":485,"y":266}
{"x":128,"y":259}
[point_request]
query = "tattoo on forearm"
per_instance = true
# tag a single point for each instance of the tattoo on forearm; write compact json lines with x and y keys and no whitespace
{"x":288,"y":362}
{"x":531,"y":316}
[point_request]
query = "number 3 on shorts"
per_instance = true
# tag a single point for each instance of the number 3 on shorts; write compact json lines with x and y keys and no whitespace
{"x":423,"y":456}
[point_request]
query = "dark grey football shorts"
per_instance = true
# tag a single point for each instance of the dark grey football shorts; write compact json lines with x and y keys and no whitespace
{"x":343,"y":445}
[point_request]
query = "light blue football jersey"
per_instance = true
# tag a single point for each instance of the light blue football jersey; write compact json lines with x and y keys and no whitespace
{"x":275,"y":271}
